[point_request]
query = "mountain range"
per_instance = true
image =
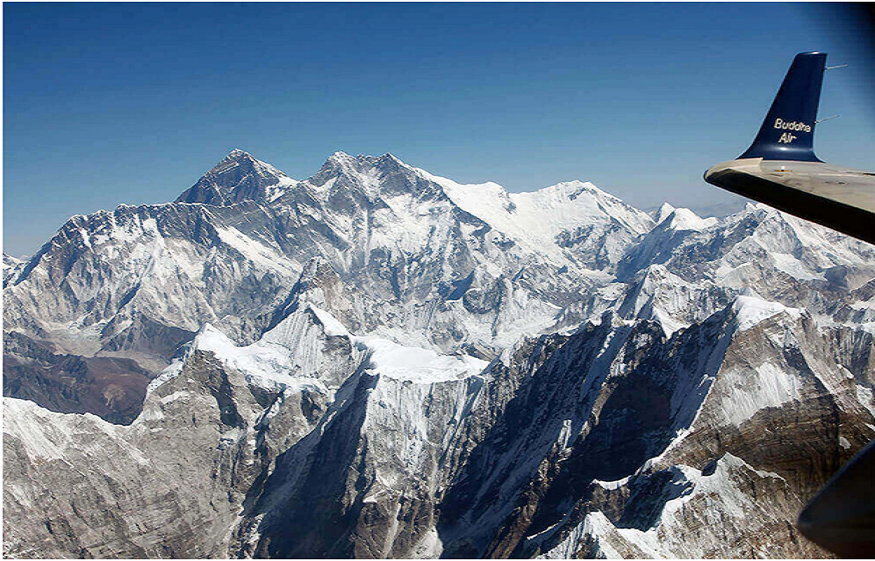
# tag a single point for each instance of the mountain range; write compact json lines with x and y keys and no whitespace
{"x":381,"y":362}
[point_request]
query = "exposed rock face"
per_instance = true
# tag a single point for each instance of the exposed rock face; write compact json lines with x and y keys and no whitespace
{"x":238,"y":177}
{"x":12,"y":266}
{"x":379,"y":362}
{"x":420,"y":267}
{"x":113,"y":388}
{"x":754,"y":453}
{"x":170,"y":484}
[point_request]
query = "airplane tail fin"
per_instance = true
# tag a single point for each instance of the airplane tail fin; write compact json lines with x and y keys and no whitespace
{"x":788,"y":131}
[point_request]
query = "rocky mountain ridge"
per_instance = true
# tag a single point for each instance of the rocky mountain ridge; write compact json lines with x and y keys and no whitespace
{"x":380,"y":362}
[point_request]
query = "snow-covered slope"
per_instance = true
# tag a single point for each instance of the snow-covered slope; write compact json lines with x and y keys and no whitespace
{"x":11,"y":267}
{"x":331,"y":444}
{"x":381,"y":362}
{"x":411,"y":252}
{"x":539,"y":219}
{"x":238,"y":177}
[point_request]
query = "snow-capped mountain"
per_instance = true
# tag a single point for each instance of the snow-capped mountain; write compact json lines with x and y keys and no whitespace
{"x":11,"y":266}
{"x":406,"y":238}
{"x":238,"y":177}
{"x":381,"y":362}
{"x":421,"y":267}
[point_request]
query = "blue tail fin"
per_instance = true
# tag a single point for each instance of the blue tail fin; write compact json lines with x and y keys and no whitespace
{"x":788,"y":131}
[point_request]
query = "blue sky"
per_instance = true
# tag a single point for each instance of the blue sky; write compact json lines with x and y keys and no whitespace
{"x":107,"y":103}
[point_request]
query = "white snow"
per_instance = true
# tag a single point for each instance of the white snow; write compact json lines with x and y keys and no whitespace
{"x":266,"y":363}
{"x":175,"y":396}
{"x":866,"y":398}
{"x":41,"y":439}
{"x":686,"y":219}
{"x":750,"y":311}
{"x":333,"y":328}
{"x":423,"y":366}
{"x":48,"y":435}
{"x":595,"y":525}
{"x":289,"y":355}
{"x":169,"y":373}
{"x":793,"y":266}
{"x":284,"y":182}
{"x":664,"y":212}
{"x":755,"y":389}
{"x":522,"y":216}
{"x":612,"y":485}
{"x":725,"y":503}
{"x":253,"y":250}
{"x":670,"y":326}
{"x":430,"y":545}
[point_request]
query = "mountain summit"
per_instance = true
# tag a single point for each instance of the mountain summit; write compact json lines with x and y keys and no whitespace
{"x":238,"y":177}
{"x":381,"y":362}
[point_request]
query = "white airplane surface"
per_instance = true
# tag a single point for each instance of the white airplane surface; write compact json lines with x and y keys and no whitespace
{"x":781,"y":170}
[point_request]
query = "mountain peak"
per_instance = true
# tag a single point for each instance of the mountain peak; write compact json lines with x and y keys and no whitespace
{"x":237,"y":153}
{"x":238,"y":177}
{"x":341,"y":162}
{"x":389,"y":157}
{"x":664,"y":212}
{"x":340,"y":157}
{"x":371,"y":174}
{"x":235,"y":156}
{"x":685,"y":219}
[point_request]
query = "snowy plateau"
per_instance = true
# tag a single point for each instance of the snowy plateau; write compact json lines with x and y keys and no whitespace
{"x":381,"y":362}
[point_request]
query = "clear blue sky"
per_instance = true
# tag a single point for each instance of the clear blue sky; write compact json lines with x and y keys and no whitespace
{"x":130,"y":103}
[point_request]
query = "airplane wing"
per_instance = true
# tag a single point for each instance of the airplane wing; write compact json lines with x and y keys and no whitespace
{"x":841,"y":517}
{"x":781,"y":169}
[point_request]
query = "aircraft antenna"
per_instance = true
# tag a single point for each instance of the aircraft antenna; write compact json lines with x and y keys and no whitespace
{"x":826,"y":119}
{"x":834,"y":67}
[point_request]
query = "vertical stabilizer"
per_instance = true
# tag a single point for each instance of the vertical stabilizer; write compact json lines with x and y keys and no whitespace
{"x":788,"y":131}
